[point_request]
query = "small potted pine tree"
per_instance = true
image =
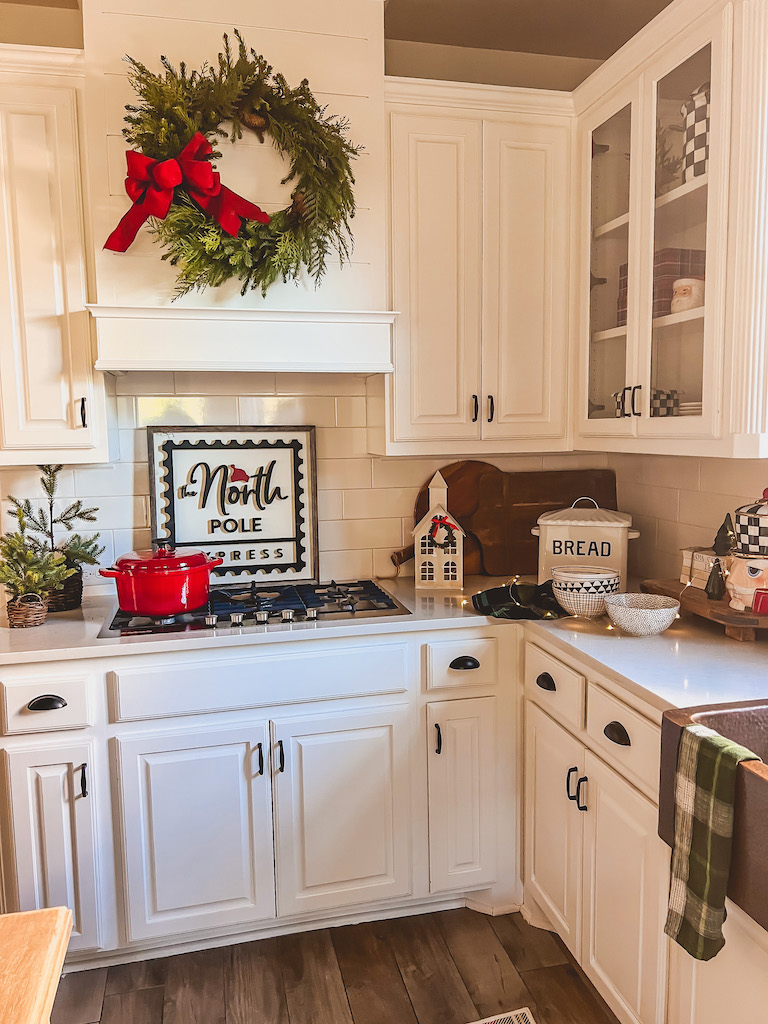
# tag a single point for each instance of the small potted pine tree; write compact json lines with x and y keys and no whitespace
{"x":76,"y":549}
{"x":29,"y":573}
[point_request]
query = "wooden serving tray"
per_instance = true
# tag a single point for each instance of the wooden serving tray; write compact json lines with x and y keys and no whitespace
{"x":738,"y":625}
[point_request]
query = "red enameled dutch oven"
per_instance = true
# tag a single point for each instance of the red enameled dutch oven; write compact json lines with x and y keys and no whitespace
{"x":162,"y":582}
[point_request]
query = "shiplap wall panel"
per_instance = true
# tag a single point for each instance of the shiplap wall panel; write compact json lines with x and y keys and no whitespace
{"x":338,"y":47}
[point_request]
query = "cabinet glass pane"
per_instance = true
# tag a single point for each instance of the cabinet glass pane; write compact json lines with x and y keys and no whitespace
{"x":609,"y":264}
{"x":680,"y":238}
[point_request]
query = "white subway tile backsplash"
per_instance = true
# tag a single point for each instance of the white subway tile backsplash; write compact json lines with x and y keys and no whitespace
{"x":288,"y":410}
{"x":319,"y":384}
{"x":342,"y":473}
{"x":379,"y":502}
{"x":710,"y":512}
{"x":24,"y":482}
{"x":663,"y":471}
{"x":346,"y":534}
{"x":735,"y":476}
{"x":346,"y":565}
{"x":342,"y":443}
{"x":118,"y":512}
{"x":329,"y":504}
{"x":175,"y":411}
{"x":145,"y":382}
{"x":350,"y":411}
{"x":125,"y":411}
{"x":186,"y":383}
{"x":116,"y":478}
{"x":132,"y":445}
{"x":131,"y":540}
{"x":107,"y":557}
{"x":405,"y":472}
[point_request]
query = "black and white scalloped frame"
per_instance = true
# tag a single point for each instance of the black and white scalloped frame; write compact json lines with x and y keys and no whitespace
{"x":163,"y":441}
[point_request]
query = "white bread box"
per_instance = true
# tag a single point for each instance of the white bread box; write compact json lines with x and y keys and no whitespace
{"x":584,"y":536}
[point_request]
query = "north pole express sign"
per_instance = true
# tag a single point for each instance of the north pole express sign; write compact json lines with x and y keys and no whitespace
{"x":243,"y":494}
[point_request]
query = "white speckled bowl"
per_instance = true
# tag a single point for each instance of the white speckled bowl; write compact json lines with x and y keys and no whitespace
{"x":642,"y":614}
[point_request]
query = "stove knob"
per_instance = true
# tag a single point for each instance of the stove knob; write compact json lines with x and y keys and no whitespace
{"x":287,"y":615}
{"x":211,"y":620}
{"x":236,"y":618}
{"x":262,"y":617}
{"x":311,"y":613}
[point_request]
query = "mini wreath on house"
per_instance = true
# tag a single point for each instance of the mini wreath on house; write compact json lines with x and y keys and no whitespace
{"x":211,"y":234}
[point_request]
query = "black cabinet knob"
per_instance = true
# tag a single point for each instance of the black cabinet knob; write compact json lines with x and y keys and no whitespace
{"x":46,"y":702}
{"x":465,"y":663}
{"x":616,"y":733}
{"x":545,"y":681}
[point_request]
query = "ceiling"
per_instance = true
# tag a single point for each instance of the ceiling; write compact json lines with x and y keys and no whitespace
{"x":567,"y":28}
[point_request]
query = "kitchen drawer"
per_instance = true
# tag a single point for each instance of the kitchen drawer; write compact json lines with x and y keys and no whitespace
{"x":461,"y":663}
{"x":555,"y":687}
{"x":166,"y":689}
{"x":17,"y":695}
{"x":637,"y":759}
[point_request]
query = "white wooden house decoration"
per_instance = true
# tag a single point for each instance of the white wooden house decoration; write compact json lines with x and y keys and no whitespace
{"x":438,"y":543}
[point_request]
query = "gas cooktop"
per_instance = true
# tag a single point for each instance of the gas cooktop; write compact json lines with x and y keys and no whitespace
{"x":242,"y":605}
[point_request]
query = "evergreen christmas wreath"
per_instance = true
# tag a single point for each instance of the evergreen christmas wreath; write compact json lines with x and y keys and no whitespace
{"x":209,"y":232}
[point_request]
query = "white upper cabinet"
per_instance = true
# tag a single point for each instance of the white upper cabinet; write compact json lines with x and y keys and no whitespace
{"x":437,"y":273}
{"x":480,"y":219}
{"x":671,"y":280}
{"x":52,"y":405}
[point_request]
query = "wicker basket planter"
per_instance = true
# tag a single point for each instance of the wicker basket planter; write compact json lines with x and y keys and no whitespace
{"x":27,"y":610}
{"x":70,"y":596}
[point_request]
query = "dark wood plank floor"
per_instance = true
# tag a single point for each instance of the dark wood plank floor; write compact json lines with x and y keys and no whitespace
{"x":453,"y":967}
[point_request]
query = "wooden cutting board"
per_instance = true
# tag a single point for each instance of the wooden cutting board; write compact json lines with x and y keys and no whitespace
{"x":498,"y":510}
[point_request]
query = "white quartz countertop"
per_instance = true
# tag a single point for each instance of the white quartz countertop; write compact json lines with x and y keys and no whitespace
{"x":71,"y":635}
{"x":692,"y":663}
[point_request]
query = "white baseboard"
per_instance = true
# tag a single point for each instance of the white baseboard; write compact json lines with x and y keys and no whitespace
{"x":491,"y":909}
{"x":534,"y":915}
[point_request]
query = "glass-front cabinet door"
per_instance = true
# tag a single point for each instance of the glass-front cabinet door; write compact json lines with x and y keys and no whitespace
{"x":678,"y":340}
{"x":610,"y":359}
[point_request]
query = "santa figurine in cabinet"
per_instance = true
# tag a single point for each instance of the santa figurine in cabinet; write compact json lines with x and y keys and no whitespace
{"x":438,"y":543}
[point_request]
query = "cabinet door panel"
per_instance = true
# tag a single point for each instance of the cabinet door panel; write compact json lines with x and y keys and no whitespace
{"x":54,"y":836}
{"x":436,"y":253}
{"x":626,"y":881}
{"x":462,"y":793}
{"x":342,"y":810}
{"x":45,"y":360}
{"x":525,"y":282}
{"x":553,"y":824}
{"x":197,"y":830}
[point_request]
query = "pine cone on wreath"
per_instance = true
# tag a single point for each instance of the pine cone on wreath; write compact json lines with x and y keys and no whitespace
{"x":255,"y":122}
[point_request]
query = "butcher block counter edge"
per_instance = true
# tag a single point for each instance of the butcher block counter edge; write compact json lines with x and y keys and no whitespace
{"x":32,"y":949}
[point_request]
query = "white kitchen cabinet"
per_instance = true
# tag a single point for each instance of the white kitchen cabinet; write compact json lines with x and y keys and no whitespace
{"x":626,"y":883}
{"x":461,"y":744}
{"x":597,"y":868}
{"x":52,"y":404}
{"x":196,"y":829}
{"x":54,"y":835}
{"x":480,"y":219}
{"x":731,"y":986}
{"x":342,"y":809}
{"x":553,"y":827}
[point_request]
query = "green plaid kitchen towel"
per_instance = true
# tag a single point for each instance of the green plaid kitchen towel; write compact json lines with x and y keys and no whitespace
{"x":701,"y":857}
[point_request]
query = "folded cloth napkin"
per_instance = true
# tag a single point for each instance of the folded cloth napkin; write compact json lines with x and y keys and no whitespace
{"x":705,"y":785}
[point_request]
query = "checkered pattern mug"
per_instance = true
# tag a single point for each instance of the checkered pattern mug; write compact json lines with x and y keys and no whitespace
{"x":752,"y":528}
{"x":695,"y":113}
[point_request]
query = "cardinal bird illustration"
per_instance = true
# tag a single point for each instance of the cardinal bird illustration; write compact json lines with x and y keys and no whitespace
{"x":238,"y":476}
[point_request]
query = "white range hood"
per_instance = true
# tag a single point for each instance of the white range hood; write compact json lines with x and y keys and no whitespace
{"x":221,"y":339}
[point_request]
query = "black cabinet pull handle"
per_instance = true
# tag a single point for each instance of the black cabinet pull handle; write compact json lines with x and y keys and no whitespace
{"x":83,"y":420}
{"x":616,"y":733}
{"x":281,"y":762}
{"x":46,"y":702}
{"x":579,"y":804}
{"x":635,"y":389}
{"x":624,"y":401}
{"x":475,"y":408}
{"x":439,"y":747}
{"x":545,"y":681}
{"x":568,"y":793}
{"x":491,"y":408}
{"x":465,"y":663}
{"x":261,"y":759}
{"x":83,"y":780}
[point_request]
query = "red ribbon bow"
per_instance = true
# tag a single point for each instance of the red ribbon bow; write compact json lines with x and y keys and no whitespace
{"x":437,"y":522}
{"x":151,"y":185}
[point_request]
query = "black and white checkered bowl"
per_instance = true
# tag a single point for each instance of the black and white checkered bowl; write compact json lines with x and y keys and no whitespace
{"x":752,"y":528}
{"x":582,"y":590}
